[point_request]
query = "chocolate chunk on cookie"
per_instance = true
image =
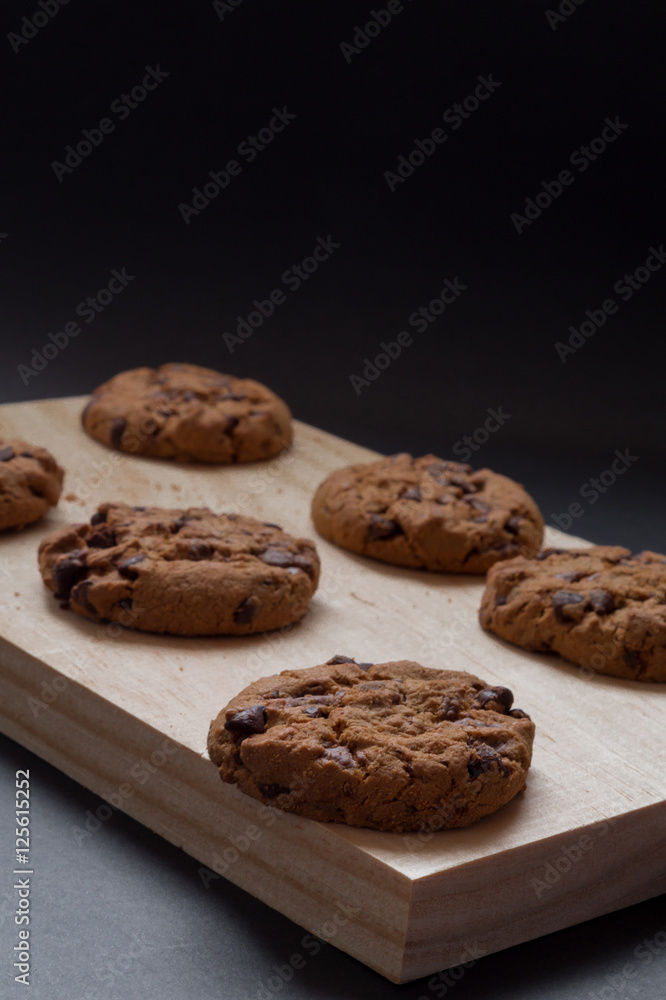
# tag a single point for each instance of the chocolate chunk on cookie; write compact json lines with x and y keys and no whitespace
{"x":389,"y":746}
{"x":600,"y":608}
{"x":188,"y":413}
{"x":427,"y":513}
{"x":184,"y":572}
{"x":30,"y":482}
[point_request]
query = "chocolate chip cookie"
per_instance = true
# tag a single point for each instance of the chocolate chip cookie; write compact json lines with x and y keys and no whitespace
{"x":600,"y":608}
{"x":185,"y":572}
{"x":30,"y":482}
{"x":390,"y":746}
{"x":190,"y":414}
{"x":427,"y":513}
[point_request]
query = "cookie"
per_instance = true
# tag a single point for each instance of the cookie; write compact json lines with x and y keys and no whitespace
{"x":185,"y":572}
{"x":389,"y":746}
{"x":427,"y":513}
{"x":600,"y":608}
{"x":188,"y":413}
{"x":30,"y":482}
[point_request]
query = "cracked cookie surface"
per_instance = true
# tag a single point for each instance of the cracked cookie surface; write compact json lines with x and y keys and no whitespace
{"x":30,"y":482}
{"x":427,"y":513}
{"x":188,"y":413}
{"x":184,"y":572}
{"x":600,"y":608}
{"x":389,"y":746}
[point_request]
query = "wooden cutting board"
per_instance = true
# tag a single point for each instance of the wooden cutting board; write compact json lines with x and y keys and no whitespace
{"x":126,"y":714}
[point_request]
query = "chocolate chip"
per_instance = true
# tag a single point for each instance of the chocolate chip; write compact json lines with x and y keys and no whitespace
{"x":99,"y":517}
{"x":246,"y":610}
{"x":269,"y":524}
{"x":311,"y":687}
{"x":139,"y":510}
{"x":104,"y":539}
{"x":573,"y":576}
{"x":27,"y":454}
{"x":313,"y":711}
{"x":117,"y":430}
{"x":463,"y":484}
{"x":381,"y":528}
{"x":231,"y":424}
{"x":272,"y":791}
{"x":517,"y":713}
{"x":513,"y":524}
{"x":338,"y":658}
{"x":550,"y":552}
{"x":238,"y":396}
{"x":277,"y":557}
{"x":633,"y":659}
{"x":478,"y":504}
{"x":563,"y":602}
{"x":450,"y":709}
{"x":246,"y":721}
{"x":126,"y":567}
{"x":341,"y":756}
{"x":500,"y":600}
{"x":66,"y":574}
{"x":499,"y":699}
{"x":602,"y":601}
{"x":414,"y":493}
{"x":6,"y":453}
{"x":302,"y":562}
{"x":484,"y":761}
{"x":79,"y":595}
{"x":198,"y":550}
{"x":365,"y":666}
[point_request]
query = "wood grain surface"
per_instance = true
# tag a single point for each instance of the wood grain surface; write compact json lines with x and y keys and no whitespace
{"x":126,"y":714}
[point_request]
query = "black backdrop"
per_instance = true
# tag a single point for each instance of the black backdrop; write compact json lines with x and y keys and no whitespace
{"x":355,"y":104}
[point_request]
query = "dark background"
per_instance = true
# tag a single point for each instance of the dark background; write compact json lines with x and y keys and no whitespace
{"x":324,"y":176}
